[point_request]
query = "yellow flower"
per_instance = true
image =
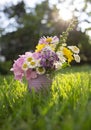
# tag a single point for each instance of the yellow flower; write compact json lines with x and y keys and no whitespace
{"x":49,"y":39}
{"x":68,"y":54}
{"x":70,"y":59}
{"x":39,"y":47}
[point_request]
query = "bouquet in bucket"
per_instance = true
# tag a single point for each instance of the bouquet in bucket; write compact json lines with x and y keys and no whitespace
{"x":51,"y":54}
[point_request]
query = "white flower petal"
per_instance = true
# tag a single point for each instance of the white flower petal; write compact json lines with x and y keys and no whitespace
{"x":58,"y":65}
{"x":77,"y":58}
{"x":75,"y":49}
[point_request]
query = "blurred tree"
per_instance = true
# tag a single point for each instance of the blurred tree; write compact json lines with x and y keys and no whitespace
{"x":82,"y":9}
{"x":41,"y":20}
{"x":15,"y":11}
{"x":88,"y":12}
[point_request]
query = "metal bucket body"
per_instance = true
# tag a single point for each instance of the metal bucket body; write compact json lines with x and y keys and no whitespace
{"x":42,"y":81}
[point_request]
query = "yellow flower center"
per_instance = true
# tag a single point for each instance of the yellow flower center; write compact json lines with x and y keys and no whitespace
{"x":75,"y":48}
{"x":49,"y":39}
{"x":29,"y":59}
{"x":32,"y":63}
{"x":40,"y":69}
{"x":25,"y":66}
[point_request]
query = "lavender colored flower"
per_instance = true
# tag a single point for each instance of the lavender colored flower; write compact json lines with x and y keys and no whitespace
{"x":48,"y":58}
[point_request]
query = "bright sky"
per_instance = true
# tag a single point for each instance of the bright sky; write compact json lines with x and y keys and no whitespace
{"x":30,"y":2}
{"x":65,"y":10}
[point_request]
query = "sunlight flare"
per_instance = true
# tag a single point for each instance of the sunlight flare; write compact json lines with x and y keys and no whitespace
{"x":65,"y":14}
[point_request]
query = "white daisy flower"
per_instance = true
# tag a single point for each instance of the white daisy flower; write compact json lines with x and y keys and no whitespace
{"x":32,"y":64}
{"x":25,"y":66}
{"x":77,"y":58}
{"x":75,"y":49}
{"x":61,"y":57}
{"x":40,"y":70}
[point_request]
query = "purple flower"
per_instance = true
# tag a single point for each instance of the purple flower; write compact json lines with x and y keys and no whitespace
{"x":48,"y":58}
{"x":36,"y":55}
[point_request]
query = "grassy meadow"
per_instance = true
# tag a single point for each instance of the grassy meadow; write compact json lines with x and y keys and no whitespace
{"x":66,"y":105}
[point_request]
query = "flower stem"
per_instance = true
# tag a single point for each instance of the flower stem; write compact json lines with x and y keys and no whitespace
{"x":63,"y":37}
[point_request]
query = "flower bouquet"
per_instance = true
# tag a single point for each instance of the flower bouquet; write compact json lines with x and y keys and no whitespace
{"x":51,"y":54}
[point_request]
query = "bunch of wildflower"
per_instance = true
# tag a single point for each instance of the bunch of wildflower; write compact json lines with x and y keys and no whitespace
{"x":50,"y":54}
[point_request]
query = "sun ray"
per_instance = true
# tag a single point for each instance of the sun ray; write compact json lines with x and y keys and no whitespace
{"x":65,"y":14}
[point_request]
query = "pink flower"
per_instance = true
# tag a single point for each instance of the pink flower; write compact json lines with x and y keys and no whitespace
{"x":17,"y":68}
{"x":42,"y":40}
{"x":33,"y":74}
{"x":55,"y":39}
{"x":36,"y":55}
{"x":30,"y":74}
{"x":46,"y":40}
{"x":27,"y":54}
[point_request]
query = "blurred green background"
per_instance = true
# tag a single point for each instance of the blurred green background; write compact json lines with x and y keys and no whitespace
{"x":23,"y":22}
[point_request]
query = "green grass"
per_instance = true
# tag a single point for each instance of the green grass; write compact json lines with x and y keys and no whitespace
{"x":65,"y":106}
